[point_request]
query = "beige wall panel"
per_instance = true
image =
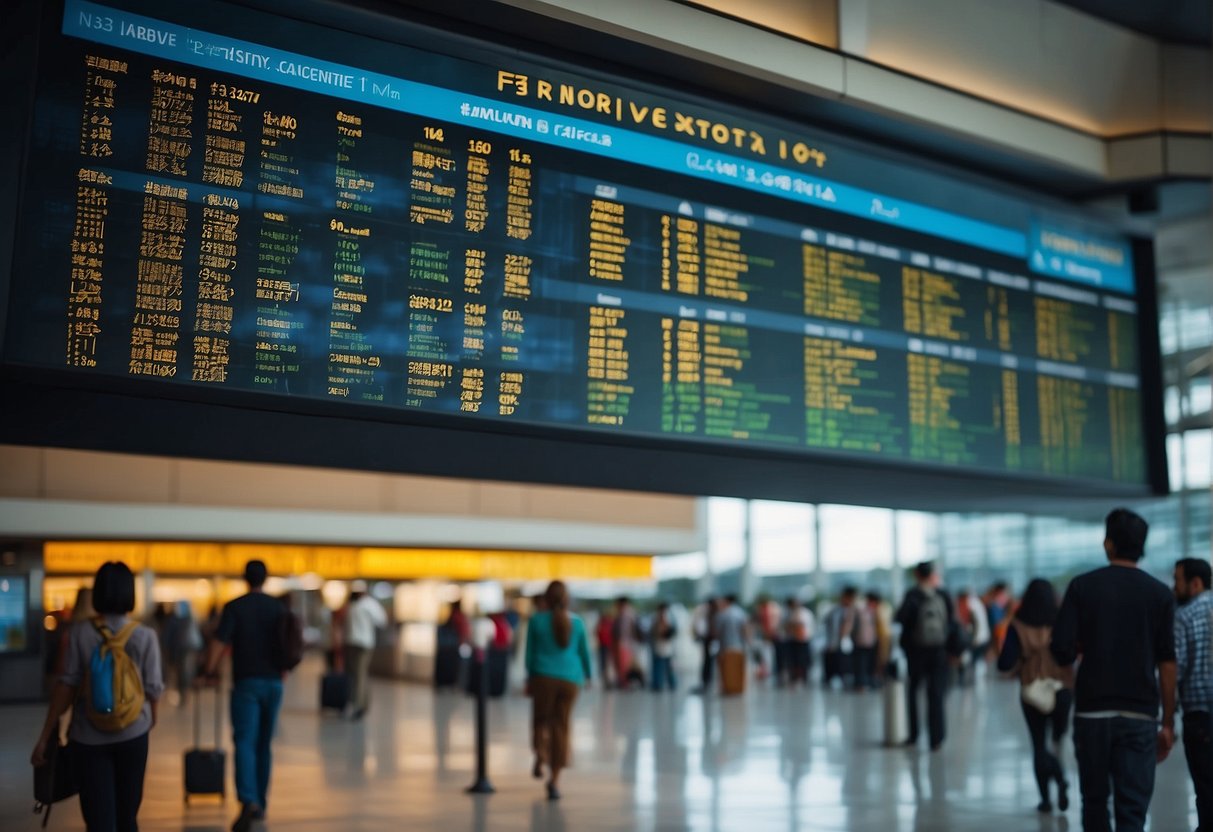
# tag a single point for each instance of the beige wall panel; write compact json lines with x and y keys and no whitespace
{"x":589,"y":505}
{"x":428,"y":495}
{"x":1030,"y":54}
{"x":1190,"y":156}
{"x":1187,"y":90}
{"x":89,"y":475}
{"x":685,"y":30}
{"x":881,"y":89}
{"x":495,"y":499}
{"x":207,"y":483}
{"x":20,"y":471}
{"x":1108,"y":75}
{"x":812,"y":20}
{"x":1135,"y":157}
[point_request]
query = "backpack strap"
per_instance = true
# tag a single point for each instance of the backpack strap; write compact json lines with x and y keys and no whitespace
{"x":111,"y":639}
{"x":119,"y":639}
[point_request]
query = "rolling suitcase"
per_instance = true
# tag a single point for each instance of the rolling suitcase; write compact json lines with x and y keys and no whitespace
{"x":206,"y":768}
{"x":334,"y":691}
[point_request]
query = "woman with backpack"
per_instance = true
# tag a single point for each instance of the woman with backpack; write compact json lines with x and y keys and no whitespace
{"x":112,"y":676}
{"x":1046,"y":689}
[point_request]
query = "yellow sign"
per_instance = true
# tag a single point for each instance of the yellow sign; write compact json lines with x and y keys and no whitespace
{"x":342,"y":562}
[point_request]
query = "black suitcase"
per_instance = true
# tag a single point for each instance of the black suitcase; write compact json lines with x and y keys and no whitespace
{"x":334,"y":691}
{"x":447,"y":667}
{"x":206,"y":768}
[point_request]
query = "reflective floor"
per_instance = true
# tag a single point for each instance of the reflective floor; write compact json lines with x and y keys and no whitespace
{"x":775,"y":760}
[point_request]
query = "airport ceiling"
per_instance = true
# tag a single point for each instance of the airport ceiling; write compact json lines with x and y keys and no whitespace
{"x":1175,"y":21}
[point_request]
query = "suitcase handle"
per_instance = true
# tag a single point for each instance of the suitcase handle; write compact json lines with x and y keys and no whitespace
{"x":198,"y":693}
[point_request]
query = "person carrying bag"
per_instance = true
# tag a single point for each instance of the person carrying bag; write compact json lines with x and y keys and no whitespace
{"x":1046,"y":690}
{"x":112,"y":676}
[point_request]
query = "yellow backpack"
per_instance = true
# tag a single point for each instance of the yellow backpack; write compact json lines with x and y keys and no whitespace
{"x":113,"y":689}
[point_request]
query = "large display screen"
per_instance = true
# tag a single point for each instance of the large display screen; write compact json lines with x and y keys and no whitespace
{"x":220,"y":200}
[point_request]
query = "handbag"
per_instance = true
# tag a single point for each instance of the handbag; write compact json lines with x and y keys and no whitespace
{"x":55,"y":780}
{"x":1041,"y":694}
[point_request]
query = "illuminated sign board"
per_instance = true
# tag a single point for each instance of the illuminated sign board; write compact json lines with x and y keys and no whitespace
{"x":215,"y":204}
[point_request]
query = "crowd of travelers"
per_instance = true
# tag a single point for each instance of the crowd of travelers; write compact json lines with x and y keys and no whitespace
{"x":1112,"y":660}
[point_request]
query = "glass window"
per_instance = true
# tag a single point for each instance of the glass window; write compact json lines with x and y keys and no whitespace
{"x":691,"y":565}
{"x":1198,"y":458}
{"x":1195,"y":327}
{"x":1168,"y":334}
{"x":1175,"y":460}
{"x":726,"y":533}
{"x":915,"y":536}
{"x":1170,"y":404}
{"x":782,"y":538}
{"x":856,"y":538}
{"x":1200,"y":395}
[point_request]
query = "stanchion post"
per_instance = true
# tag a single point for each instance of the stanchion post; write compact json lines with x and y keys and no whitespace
{"x":480,"y":667}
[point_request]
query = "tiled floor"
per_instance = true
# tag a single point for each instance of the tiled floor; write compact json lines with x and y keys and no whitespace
{"x":775,"y":760}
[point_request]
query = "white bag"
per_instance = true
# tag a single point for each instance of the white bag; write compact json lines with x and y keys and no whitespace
{"x":1041,"y":694}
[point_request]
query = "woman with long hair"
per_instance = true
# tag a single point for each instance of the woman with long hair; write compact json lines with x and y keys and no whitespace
{"x":1046,"y":690}
{"x":558,"y":664}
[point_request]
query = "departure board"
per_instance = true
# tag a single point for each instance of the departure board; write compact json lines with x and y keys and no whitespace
{"x":218,"y":201}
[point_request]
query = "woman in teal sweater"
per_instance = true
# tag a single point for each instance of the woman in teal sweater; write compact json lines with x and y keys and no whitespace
{"x":557,"y":664}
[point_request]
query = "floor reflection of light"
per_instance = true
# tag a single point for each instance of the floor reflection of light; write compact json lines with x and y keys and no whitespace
{"x":646,"y":774}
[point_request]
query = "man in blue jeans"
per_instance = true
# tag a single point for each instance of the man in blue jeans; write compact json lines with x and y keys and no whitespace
{"x":252,"y":626}
{"x":1121,"y":622}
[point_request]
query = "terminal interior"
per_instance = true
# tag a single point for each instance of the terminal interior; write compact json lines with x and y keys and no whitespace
{"x":1082,"y":120}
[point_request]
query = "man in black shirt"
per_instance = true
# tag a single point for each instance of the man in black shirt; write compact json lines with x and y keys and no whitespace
{"x":1120,"y":621}
{"x":252,"y":626}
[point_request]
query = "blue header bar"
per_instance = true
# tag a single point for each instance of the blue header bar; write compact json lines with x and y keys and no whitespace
{"x":1079,"y":257}
{"x":181,"y":44}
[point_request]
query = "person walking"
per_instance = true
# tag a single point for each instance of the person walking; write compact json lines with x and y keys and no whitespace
{"x":557,"y":664}
{"x":453,"y":635}
{"x":180,"y":645}
{"x":838,"y":658}
{"x":110,"y":748}
{"x":768,"y":620}
{"x":661,"y":643}
{"x":733,"y":631}
{"x":1122,"y":622}
{"x":253,"y":626}
{"x":978,"y":634}
{"x":1194,"y":678}
{"x":1026,"y":653}
{"x":363,"y":618}
{"x":604,"y":635}
{"x":925,"y":617}
{"x":798,"y":635}
{"x":623,"y":642}
{"x":865,"y":639}
{"x":882,"y":614}
{"x":704,"y":627}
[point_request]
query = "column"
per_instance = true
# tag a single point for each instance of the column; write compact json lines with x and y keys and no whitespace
{"x":819,"y":575}
{"x":746,"y":583}
{"x":706,"y":585}
{"x":897,"y":575}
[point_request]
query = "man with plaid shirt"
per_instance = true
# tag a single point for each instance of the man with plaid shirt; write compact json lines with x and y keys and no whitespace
{"x":1194,"y":672}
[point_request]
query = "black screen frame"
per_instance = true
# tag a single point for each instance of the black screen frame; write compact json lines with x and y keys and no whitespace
{"x":59,"y":409}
